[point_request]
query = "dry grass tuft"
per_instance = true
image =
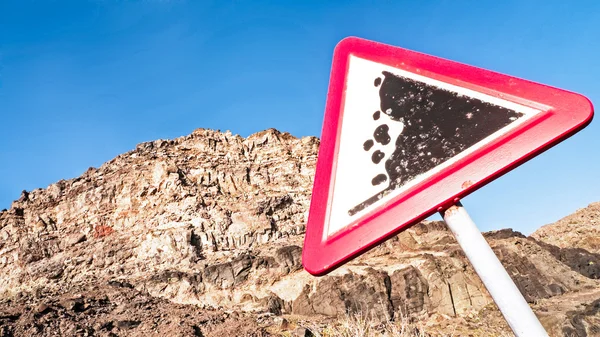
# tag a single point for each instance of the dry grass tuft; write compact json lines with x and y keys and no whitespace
{"x":360,"y":325}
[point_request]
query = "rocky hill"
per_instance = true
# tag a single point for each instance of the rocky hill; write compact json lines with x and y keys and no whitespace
{"x":202,"y":236}
{"x":578,"y":230}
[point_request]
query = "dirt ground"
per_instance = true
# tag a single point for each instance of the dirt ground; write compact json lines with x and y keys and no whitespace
{"x":117,"y":310}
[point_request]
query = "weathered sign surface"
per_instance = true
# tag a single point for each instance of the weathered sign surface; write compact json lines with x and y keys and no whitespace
{"x":406,"y":134}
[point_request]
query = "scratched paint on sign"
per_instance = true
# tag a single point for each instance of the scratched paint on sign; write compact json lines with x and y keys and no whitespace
{"x":398,"y":128}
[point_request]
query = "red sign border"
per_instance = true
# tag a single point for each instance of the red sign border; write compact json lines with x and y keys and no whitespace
{"x":563,"y":114}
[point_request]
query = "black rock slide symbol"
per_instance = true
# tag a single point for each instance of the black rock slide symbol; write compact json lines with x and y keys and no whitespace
{"x":438,"y":125}
{"x":381,"y":134}
{"x":377,"y":156}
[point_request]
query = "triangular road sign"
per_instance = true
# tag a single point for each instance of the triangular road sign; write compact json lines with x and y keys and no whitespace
{"x":407,"y":134}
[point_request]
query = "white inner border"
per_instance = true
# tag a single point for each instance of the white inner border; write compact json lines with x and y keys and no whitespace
{"x":359,"y":89}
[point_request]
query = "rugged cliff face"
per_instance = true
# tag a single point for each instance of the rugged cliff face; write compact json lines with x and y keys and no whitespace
{"x":204,"y":233}
{"x":578,"y":230}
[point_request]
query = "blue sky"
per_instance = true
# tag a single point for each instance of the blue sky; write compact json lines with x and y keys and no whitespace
{"x":83,"y":81}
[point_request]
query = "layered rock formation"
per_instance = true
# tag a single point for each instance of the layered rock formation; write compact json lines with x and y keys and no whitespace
{"x":214,"y":222}
{"x":578,"y":230}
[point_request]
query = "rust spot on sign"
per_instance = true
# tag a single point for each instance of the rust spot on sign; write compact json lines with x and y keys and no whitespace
{"x":101,"y":231}
{"x":450,"y":211}
{"x":466,"y":184}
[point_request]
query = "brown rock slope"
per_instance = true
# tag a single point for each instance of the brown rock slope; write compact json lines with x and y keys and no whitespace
{"x":201,"y":235}
{"x":578,"y":230}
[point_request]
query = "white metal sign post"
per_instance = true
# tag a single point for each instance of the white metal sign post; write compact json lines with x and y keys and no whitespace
{"x":505,"y":293}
